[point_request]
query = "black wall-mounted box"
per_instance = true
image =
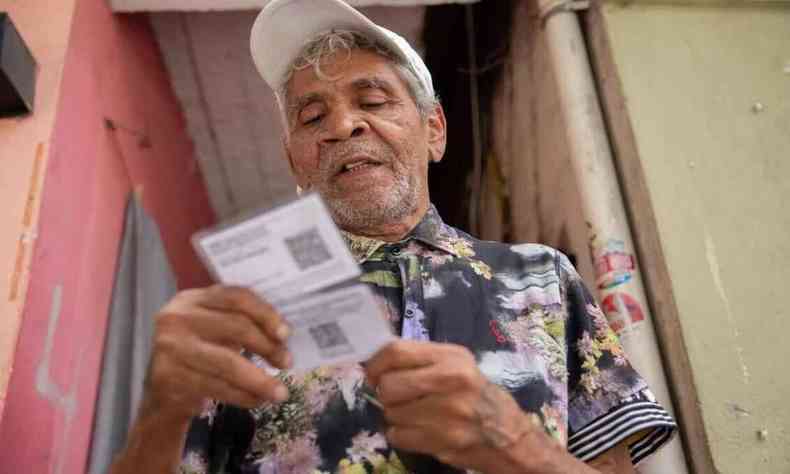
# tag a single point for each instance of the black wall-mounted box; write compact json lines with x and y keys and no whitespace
{"x":17,"y":71}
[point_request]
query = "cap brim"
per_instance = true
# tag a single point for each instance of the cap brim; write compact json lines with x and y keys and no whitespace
{"x":284,"y":27}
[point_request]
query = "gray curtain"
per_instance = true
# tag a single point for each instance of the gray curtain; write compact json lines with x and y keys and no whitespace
{"x":144,"y":282}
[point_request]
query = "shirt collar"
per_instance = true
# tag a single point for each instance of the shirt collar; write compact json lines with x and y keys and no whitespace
{"x":431,"y":230}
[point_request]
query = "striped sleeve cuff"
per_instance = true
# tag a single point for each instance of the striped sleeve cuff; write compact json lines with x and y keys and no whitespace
{"x":653,"y":424}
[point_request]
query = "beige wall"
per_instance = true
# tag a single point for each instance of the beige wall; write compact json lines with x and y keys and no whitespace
{"x":718,"y":171}
{"x":24,"y":147}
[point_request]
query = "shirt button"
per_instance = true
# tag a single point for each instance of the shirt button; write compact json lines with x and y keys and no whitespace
{"x":409,"y":313}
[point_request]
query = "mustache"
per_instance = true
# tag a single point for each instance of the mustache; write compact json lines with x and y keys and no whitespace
{"x":331,"y":157}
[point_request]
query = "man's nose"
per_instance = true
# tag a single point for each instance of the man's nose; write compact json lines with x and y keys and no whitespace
{"x":342,"y":125}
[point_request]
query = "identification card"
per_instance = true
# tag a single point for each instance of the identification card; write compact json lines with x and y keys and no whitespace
{"x":289,"y":251}
{"x":295,"y":258}
{"x":338,"y":326}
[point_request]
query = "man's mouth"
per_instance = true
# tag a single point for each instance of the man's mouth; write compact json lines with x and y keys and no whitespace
{"x":356,"y":166}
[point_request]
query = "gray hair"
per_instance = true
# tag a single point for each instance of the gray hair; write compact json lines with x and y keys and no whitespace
{"x":318,"y":50}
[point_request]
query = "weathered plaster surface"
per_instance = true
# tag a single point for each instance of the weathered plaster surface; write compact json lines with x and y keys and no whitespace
{"x":114,"y":126}
{"x":24,"y":148}
{"x":708,"y":91}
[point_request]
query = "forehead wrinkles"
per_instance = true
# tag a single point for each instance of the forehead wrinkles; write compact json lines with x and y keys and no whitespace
{"x":361,"y":70}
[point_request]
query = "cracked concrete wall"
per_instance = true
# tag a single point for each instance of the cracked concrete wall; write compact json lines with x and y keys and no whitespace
{"x":708,"y":94}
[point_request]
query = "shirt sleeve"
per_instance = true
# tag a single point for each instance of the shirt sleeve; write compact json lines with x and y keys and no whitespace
{"x":608,"y":401}
{"x":195,"y":458}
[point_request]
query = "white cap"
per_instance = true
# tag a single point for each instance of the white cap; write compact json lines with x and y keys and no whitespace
{"x":284,"y":27}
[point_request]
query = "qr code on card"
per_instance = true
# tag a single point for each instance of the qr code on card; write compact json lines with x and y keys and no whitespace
{"x":308,"y":249}
{"x":330,"y":339}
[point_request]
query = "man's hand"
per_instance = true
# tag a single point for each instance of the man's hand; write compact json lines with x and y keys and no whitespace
{"x":195,"y":357}
{"x":437,"y":402}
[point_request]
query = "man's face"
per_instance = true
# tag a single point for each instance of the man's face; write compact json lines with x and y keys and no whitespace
{"x":357,"y":138}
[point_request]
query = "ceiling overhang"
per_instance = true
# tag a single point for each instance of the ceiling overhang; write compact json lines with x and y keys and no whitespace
{"x":219,"y":5}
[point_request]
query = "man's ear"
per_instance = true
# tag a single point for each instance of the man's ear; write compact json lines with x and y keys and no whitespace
{"x":437,"y":134}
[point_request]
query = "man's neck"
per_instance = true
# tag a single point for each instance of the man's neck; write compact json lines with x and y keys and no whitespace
{"x":395,"y":231}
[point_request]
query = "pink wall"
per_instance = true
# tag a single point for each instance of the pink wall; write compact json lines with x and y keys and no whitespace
{"x":24,"y":148}
{"x":113,"y":69}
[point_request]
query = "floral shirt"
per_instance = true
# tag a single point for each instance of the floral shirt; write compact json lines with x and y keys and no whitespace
{"x":521,"y":309}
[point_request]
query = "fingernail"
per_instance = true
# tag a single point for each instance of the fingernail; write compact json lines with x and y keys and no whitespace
{"x":286,"y":360}
{"x":280,"y":393}
{"x":283,"y":332}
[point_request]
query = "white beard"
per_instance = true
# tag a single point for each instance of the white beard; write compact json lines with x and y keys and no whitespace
{"x":372,"y":207}
{"x":379,"y":207}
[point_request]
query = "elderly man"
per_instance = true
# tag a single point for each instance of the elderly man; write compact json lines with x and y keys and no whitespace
{"x":504,"y":364}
